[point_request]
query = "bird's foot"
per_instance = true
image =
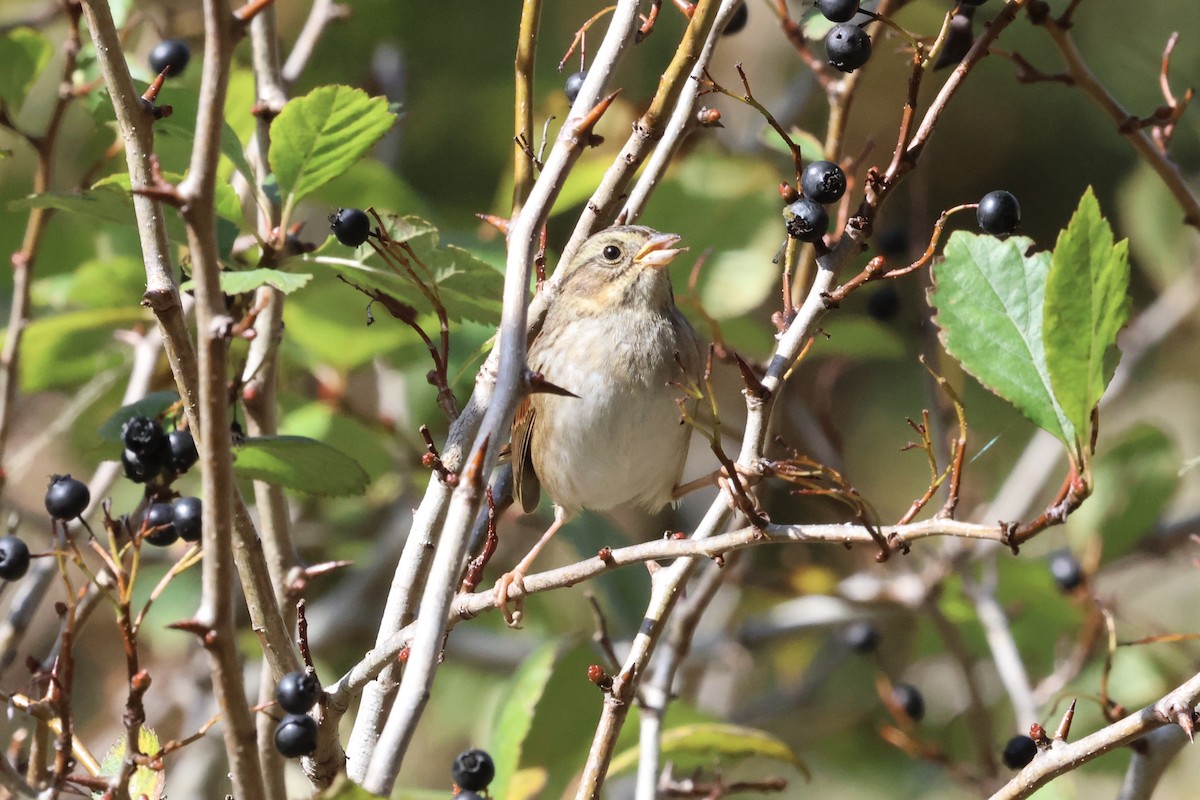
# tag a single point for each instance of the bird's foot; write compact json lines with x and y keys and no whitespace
{"x":503,"y":584}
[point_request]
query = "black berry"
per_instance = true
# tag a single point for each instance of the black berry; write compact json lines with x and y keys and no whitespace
{"x":909,"y":698}
{"x":296,"y":735}
{"x":806,"y":220}
{"x":473,"y":770}
{"x":350,"y":225}
{"x":972,"y":2}
{"x":297,"y":692}
{"x":847,"y":47}
{"x":838,"y":10}
{"x":159,"y":525}
{"x":883,"y":304}
{"x":1066,"y":571}
{"x":187,"y":518}
{"x":574,"y":84}
{"x":823,"y":182}
{"x":138,"y":469}
{"x":66,"y":498}
{"x":14,"y":558}
{"x":999,"y":213}
{"x":737,"y":21}
{"x":182,"y":451}
{"x":171,"y":55}
{"x":143,"y":436}
{"x":861,"y":637}
{"x":1019,"y":751}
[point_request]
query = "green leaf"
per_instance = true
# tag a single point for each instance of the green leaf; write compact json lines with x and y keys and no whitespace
{"x":515,"y":717}
{"x":298,"y":463}
{"x":1087,"y":302}
{"x":67,"y":349}
{"x":714,"y":741}
{"x":149,"y":406}
{"x":1134,"y":479}
{"x":242,"y":281}
{"x":318,"y":136}
{"x":144,"y":781}
{"x":468,"y":287}
{"x":989,"y":301}
{"x":24,"y":53}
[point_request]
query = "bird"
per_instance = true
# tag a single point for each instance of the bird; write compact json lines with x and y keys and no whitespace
{"x":616,"y":352}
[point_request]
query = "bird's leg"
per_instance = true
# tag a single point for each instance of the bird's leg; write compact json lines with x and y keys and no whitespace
{"x":517,"y":575}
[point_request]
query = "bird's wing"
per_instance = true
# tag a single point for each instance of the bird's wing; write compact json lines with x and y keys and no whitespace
{"x":526,"y":487}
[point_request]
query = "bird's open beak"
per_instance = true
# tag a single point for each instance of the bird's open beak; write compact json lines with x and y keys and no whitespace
{"x":657,"y":252}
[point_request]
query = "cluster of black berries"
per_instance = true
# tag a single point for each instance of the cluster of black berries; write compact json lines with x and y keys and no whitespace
{"x":150,"y":452}
{"x":821,"y":183}
{"x":472,"y":771}
{"x":847,"y":47}
{"x":296,"y":734}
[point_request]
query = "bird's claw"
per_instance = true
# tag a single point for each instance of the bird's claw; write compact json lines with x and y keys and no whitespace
{"x":503,"y":584}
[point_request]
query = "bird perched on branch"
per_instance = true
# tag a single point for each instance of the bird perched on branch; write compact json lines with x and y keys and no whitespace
{"x":614,"y":340}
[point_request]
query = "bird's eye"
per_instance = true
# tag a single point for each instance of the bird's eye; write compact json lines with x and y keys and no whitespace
{"x":611,"y":252}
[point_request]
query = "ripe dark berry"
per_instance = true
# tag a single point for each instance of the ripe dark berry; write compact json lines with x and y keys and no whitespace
{"x":159,"y":525}
{"x":847,"y":47}
{"x":473,"y":770}
{"x":1019,"y":751}
{"x":66,"y":498}
{"x":838,"y":10}
{"x":171,"y":55}
{"x":909,"y":698}
{"x":183,"y":454}
{"x":806,"y":220}
{"x":823,"y":182}
{"x":187,"y":519}
{"x":574,"y":84}
{"x":143,"y":436}
{"x":1066,"y":571}
{"x":883,"y":304}
{"x":297,"y":691}
{"x":999,"y":213}
{"x":14,"y":558}
{"x":350,"y":225}
{"x":137,"y":469}
{"x":861,"y":637}
{"x":737,"y":21}
{"x":296,"y":735}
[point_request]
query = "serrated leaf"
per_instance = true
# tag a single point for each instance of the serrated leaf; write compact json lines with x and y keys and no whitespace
{"x":144,"y":782}
{"x":1087,"y":303}
{"x":515,"y":717}
{"x":318,"y":136}
{"x":66,"y":349}
{"x":714,"y":741}
{"x":242,"y":281}
{"x":989,"y":298}
{"x":468,"y":287}
{"x":24,"y":53}
{"x":299,"y":463}
{"x":149,"y":406}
